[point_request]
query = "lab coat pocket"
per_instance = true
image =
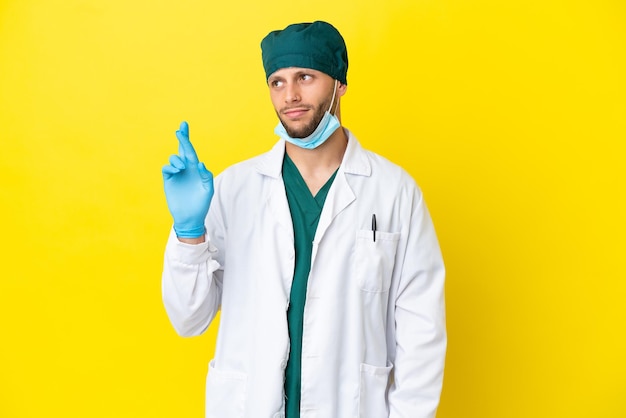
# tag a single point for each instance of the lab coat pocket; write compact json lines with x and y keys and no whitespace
{"x":373,"y":391}
{"x":225,"y":393}
{"x":374,"y":259}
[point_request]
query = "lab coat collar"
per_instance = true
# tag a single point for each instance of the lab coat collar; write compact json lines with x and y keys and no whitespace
{"x":355,"y":159}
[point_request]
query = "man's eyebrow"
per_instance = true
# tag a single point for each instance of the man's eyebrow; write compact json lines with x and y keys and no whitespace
{"x":308,"y":71}
{"x":274,"y":78}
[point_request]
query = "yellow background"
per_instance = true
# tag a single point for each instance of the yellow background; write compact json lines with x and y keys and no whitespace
{"x":510,"y":114}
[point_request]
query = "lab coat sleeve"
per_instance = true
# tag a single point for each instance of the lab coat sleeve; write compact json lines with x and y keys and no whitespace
{"x":191,"y":285}
{"x":419,"y":313}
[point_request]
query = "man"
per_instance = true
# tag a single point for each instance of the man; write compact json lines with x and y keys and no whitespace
{"x":320,"y":255}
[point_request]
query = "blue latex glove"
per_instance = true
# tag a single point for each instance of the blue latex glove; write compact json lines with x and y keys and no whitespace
{"x":188,"y":188}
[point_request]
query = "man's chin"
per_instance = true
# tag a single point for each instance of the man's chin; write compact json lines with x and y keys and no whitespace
{"x":298,"y":134}
{"x":299,"y":130}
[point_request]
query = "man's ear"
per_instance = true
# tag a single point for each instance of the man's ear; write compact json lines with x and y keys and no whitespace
{"x":341,"y":89}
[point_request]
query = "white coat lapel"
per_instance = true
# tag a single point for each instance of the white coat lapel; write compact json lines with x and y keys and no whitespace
{"x":278,"y":205}
{"x":341,"y":195}
{"x":271,"y":166}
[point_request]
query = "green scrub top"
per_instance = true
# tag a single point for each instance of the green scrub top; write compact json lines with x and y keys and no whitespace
{"x":305,"y":215}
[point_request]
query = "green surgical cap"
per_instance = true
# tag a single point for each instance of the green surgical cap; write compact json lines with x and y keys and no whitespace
{"x":316,"y":45}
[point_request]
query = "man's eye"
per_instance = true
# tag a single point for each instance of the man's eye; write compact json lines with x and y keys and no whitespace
{"x":306,"y":76}
{"x":276,"y":83}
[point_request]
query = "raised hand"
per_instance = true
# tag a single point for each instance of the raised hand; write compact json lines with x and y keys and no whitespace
{"x":188,"y":188}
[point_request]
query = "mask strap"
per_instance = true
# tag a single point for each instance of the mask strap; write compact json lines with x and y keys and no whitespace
{"x":333,"y":99}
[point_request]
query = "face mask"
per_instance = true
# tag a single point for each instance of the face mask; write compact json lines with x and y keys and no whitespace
{"x":324,"y":130}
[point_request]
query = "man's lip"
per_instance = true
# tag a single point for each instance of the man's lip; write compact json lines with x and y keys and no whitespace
{"x":296,"y":112}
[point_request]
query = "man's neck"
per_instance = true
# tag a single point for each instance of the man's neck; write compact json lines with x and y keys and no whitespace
{"x":318,"y":164}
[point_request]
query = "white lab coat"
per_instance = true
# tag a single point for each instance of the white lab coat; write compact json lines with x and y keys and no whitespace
{"x":374,"y":323}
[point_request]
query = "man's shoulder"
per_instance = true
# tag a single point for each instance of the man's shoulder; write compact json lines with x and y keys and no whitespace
{"x":243,"y":165}
{"x":388,"y":169}
{"x":246,"y":169}
{"x":377,"y":161}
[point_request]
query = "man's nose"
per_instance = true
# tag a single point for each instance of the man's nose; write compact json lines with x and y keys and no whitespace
{"x":292,"y":93}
